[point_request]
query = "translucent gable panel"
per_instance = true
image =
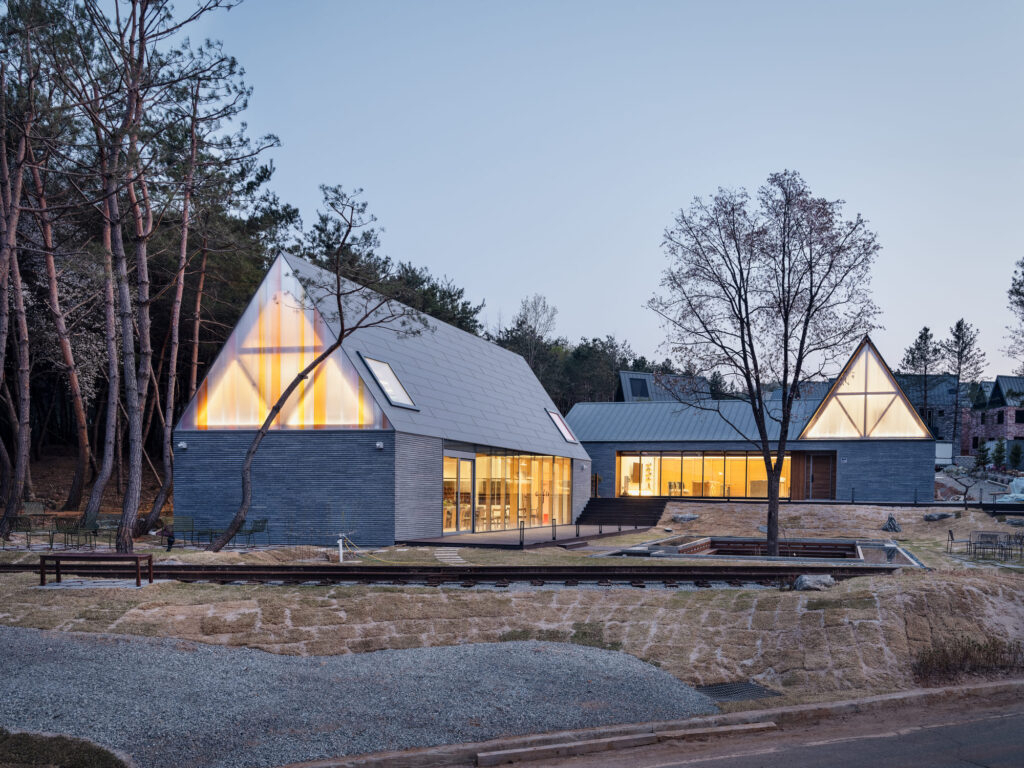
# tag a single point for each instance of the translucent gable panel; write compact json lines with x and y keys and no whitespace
{"x":833,"y":421}
{"x":277,"y":336}
{"x":865,"y":403}
{"x":856,"y":376}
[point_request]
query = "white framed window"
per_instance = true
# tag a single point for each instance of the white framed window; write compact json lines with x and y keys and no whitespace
{"x":562,"y":427}
{"x":388,"y":381}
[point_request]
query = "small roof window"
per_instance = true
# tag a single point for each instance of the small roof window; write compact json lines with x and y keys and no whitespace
{"x":389,"y":382}
{"x":562,"y":427}
{"x":638,"y":387}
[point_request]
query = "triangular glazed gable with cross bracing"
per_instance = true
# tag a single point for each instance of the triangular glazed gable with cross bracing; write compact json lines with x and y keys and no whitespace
{"x":865,"y":403}
{"x":279,"y":334}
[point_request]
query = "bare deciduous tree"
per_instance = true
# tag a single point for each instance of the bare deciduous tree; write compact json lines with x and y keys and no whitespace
{"x":769,"y":295}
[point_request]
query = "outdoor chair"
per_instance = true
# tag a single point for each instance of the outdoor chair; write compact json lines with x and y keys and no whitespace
{"x":73,"y":532}
{"x":951,"y":542}
{"x":184,"y":527}
{"x":259,"y":525}
{"x":21,"y":524}
{"x":989,"y":541}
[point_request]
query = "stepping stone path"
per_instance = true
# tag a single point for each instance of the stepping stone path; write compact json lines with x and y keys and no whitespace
{"x":449,"y":556}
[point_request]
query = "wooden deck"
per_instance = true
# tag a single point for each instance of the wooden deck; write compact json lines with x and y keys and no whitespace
{"x":532,"y":538}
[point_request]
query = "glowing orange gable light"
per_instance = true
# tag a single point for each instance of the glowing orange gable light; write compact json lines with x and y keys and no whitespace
{"x":865,"y":402}
{"x":278,"y":335}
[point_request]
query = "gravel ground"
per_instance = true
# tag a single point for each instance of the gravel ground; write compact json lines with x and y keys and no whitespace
{"x":172,"y":703}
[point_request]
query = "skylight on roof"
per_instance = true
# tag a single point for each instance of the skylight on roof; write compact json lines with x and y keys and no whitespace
{"x":389,"y":382}
{"x":562,"y":427}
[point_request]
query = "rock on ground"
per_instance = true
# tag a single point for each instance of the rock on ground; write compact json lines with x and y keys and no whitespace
{"x":815,"y":582}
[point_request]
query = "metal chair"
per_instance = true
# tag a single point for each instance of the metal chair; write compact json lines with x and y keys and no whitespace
{"x":259,"y":525}
{"x":951,"y":542}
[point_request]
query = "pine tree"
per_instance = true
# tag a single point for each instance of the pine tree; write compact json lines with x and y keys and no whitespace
{"x":1016,"y":457}
{"x":964,"y":359}
{"x":981,"y":457}
{"x":999,"y":453}
{"x":922,"y":358}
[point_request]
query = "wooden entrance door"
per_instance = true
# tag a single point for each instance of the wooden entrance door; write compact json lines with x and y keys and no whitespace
{"x":821,"y":475}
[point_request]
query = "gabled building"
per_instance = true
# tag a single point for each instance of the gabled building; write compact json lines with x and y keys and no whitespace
{"x":998,"y":413}
{"x":394,"y":437}
{"x":861,"y":439}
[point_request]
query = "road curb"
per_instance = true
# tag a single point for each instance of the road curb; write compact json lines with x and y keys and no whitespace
{"x":619,"y":736}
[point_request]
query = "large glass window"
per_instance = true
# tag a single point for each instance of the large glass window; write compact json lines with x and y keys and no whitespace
{"x":671,"y":475}
{"x":736,"y":475}
{"x":693,"y":475}
{"x":498,"y":490}
{"x":714,"y":475}
{"x":697,"y":475}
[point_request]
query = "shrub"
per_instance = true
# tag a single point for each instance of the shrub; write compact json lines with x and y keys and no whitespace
{"x":949,"y":659}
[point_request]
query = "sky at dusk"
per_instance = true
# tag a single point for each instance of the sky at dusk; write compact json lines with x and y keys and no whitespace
{"x":543,"y":147}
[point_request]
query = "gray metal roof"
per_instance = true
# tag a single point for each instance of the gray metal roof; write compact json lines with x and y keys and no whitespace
{"x":658,"y":387}
{"x":465,"y":388}
{"x":676,"y":422}
{"x":1011,"y":390}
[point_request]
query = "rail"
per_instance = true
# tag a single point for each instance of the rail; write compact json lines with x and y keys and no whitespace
{"x":471,"y":574}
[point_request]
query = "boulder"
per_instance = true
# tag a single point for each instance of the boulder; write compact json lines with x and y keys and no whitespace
{"x":688,"y":517}
{"x":931,"y":517}
{"x":815,"y":582}
{"x":891,"y":525}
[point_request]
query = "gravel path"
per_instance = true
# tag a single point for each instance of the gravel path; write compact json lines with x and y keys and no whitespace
{"x":172,"y":703}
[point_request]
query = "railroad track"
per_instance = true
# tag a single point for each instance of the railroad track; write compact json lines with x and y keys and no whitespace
{"x":469,"y":575}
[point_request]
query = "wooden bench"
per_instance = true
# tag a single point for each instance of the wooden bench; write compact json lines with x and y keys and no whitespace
{"x":112,"y":557}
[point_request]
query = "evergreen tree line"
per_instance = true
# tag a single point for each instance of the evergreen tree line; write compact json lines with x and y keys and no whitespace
{"x":136,"y":221}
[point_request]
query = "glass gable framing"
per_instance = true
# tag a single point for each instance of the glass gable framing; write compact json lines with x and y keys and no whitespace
{"x":697,"y":474}
{"x":865,"y":403}
{"x":277,"y":336}
{"x":497,"y":491}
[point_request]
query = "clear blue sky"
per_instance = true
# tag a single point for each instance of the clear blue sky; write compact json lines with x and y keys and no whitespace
{"x":525,"y":147}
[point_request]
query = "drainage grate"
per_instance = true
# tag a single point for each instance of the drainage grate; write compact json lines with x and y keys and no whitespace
{"x":736,"y":691}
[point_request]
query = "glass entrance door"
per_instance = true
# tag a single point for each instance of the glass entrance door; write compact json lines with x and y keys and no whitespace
{"x":457,"y":495}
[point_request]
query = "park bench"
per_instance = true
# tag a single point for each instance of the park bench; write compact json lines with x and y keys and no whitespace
{"x":94,"y":557}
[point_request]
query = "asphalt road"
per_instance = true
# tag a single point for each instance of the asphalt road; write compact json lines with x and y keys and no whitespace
{"x":993,"y":739}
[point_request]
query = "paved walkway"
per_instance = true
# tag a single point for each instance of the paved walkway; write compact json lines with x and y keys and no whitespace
{"x":198,"y":705}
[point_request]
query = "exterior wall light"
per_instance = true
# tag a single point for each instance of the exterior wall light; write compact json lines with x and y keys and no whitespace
{"x":379,"y":446}
{"x":183,"y":446}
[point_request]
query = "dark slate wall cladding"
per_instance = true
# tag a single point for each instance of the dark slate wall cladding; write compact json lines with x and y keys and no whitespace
{"x":875,"y":470}
{"x":418,"y":462}
{"x":581,"y":485}
{"x":310,"y":484}
{"x":885,"y":470}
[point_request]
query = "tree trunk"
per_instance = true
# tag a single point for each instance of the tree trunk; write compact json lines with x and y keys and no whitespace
{"x":24,"y":439}
{"x":110,"y":442}
{"x":196,"y":322}
{"x":12,"y":189}
{"x":133,"y":485}
{"x":773,"y":512}
{"x":172,"y":364}
{"x":74,"y":498}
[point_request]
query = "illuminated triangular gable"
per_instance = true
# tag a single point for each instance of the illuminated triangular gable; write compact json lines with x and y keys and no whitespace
{"x":278,"y":335}
{"x":865,"y":403}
